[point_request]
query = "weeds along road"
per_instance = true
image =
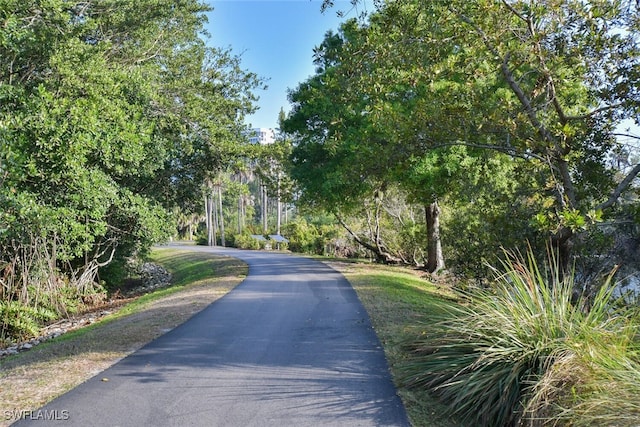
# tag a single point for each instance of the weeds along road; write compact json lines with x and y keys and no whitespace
{"x":290,"y":346}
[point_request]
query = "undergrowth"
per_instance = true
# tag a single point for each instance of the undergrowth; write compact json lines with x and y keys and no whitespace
{"x":528,"y":352}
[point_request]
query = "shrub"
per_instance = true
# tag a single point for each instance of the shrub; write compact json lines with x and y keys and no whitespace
{"x":245,"y":241}
{"x":303,"y":236}
{"x":230,"y":239}
{"x":518,"y":353}
{"x":19,"y":321}
{"x":202,"y":239}
{"x":34,"y":290}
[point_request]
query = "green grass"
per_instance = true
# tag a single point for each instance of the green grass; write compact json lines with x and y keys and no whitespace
{"x":525,"y":351}
{"x":192,"y":267}
{"x":396,"y":299}
{"x":188,"y":269}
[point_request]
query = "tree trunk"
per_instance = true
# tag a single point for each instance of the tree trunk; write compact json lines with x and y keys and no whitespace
{"x":240,"y":214}
{"x":435,"y":259}
{"x":265,"y":225}
{"x":221,"y":216}
{"x":214,"y":220}
{"x":239,"y":206}
{"x":207,"y":218}
{"x":279,"y":208}
{"x":563,"y":245}
{"x":208,"y":207}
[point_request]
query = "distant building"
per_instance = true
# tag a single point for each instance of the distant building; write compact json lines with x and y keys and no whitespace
{"x":262,"y":136}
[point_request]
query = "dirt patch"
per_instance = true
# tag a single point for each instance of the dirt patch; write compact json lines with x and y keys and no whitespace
{"x":33,"y":378}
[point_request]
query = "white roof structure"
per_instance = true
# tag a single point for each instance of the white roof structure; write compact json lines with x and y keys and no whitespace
{"x":262,"y":136}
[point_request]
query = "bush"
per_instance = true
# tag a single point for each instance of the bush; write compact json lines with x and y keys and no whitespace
{"x":519,"y":352}
{"x":35,"y":290}
{"x":245,"y":241}
{"x":202,"y":239}
{"x":230,"y":239}
{"x":304,"y":237}
{"x":19,"y":321}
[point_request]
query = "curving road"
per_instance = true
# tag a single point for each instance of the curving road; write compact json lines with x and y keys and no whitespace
{"x":290,"y":346}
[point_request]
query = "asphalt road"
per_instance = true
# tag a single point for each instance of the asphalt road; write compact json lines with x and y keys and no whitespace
{"x":290,"y":346}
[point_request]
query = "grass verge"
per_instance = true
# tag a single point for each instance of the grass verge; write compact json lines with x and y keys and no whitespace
{"x":31,"y":379}
{"x":396,"y":299}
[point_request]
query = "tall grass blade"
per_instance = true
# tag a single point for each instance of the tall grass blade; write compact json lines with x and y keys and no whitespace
{"x":516,"y":353}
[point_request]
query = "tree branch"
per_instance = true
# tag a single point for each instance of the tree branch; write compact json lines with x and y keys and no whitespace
{"x":622,"y":186}
{"x":511,"y":81}
{"x":626,"y":135}
{"x":524,"y":100}
{"x":559,"y":152}
{"x":512,"y":151}
{"x":380,"y":254}
{"x":518,"y":14}
{"x":595,"y":112}
{"x":355,"y":236}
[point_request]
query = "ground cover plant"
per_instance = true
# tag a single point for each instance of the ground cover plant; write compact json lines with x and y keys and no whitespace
{"x":527,"y":351}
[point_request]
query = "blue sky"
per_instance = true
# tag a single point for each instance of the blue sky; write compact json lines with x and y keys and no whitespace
{"x":274,"y":39}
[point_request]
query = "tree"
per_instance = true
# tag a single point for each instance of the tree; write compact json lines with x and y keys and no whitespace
{"x":271,"y":165}
{"x":78,"y":88}
{"x":359,"y":129}
{"x":543,"y":82}
{"x":568,"y":71}
{"x":327,"y":163}
{"x":111,"y":112}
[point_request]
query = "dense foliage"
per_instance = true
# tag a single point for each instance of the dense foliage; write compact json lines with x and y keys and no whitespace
{"x":533,"y":92}
{"x":526,"y":352}
{"x":111,"y":113}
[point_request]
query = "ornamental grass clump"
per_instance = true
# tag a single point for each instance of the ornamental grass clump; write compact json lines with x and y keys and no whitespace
{"x":525,"y":351}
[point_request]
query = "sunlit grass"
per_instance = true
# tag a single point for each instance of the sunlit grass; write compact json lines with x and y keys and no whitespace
{"x":192,"y":267}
